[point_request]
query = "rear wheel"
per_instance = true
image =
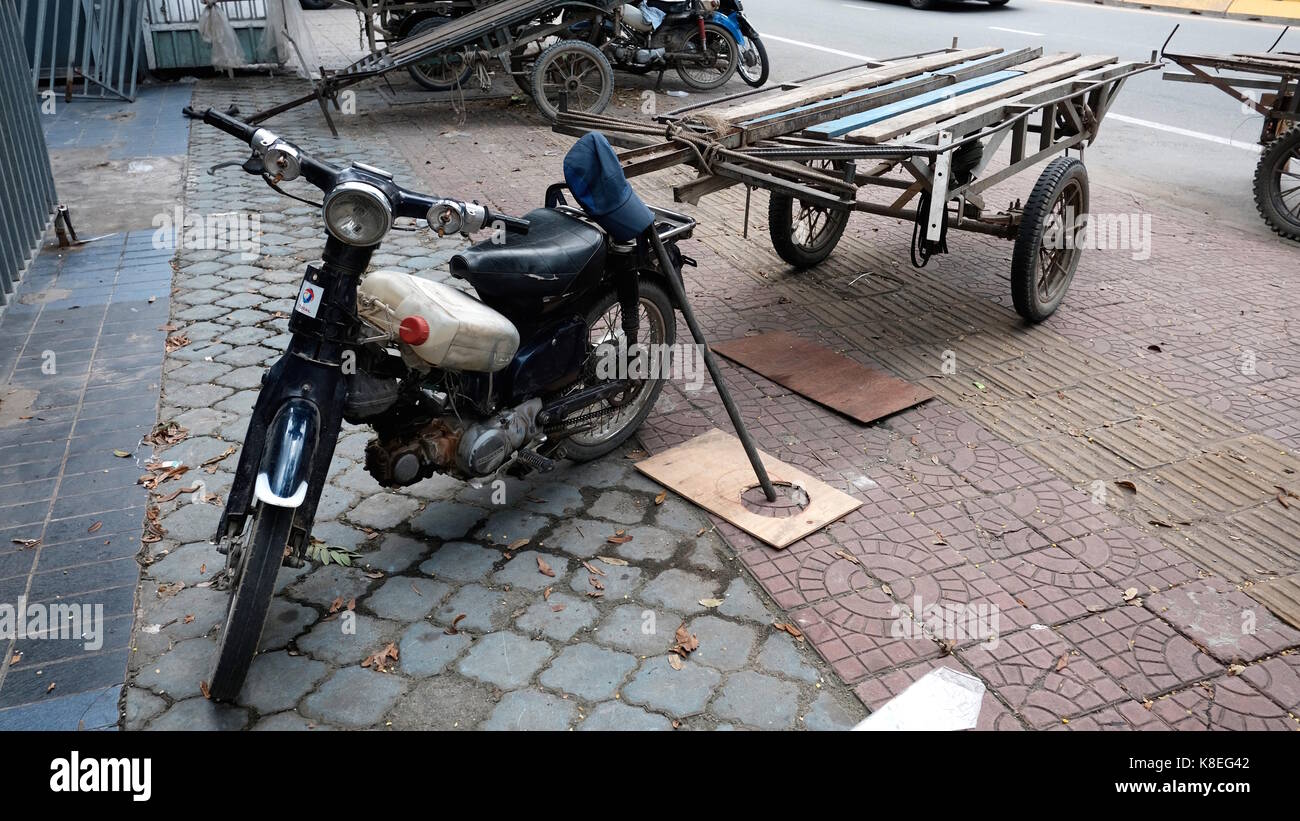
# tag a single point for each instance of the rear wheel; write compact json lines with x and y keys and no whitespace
{"x":1048,"y":243}
{"x":606,"y":426}
{"x":803,"y":233}
{"x":713,"y":63}
{"x":577,"y":69}
{"x":1277,"y":184}
{"x":251,"y":569}
{"x":444,"y":71}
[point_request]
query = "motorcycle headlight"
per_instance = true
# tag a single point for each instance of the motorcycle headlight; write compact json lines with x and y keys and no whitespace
{"x":358,"y":214}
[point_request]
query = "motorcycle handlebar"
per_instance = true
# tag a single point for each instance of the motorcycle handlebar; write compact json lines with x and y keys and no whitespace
{"x":321,"y":174}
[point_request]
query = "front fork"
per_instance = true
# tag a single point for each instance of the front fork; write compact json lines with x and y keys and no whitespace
{"x":298,"y":415}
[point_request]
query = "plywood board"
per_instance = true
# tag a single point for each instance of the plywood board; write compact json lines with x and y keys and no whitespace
{"x":823,"y":376}
{"x":712,"y":471}
{"x":1282,"y":596}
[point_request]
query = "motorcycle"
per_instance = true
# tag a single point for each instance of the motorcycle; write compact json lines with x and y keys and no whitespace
{"x":687,"y":35}
{"x":753,"y":66}
{"x":509,"y":382}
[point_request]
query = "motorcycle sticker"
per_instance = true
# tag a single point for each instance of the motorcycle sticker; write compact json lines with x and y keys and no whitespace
{"x":309,"y":298}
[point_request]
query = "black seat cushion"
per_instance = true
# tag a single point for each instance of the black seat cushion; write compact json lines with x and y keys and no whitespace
{"x":545,"y":262}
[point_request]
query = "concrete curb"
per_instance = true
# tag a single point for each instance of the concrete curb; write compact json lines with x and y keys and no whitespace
{"x":1281,"y":12}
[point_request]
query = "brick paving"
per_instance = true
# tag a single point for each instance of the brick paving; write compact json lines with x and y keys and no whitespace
{"x":1115,"y":609}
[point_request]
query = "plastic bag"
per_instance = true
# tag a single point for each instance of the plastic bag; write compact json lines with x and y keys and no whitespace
{"x":287,"y":39}
{"x":215,"y":29}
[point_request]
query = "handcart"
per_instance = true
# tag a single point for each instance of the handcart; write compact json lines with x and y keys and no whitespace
{"x":924,"y":129}
{"x":1277,"y":75}
{"x":573,"y":68}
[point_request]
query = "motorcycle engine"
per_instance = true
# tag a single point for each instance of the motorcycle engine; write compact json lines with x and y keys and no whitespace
{"x":445,"y":446}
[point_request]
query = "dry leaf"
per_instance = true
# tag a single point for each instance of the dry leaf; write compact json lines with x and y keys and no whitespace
{"x":556,"y":608}
{"x":383,"y":660}
{"x":352,"y":603}
{"x":96,"y":526}
{"x":592,"y":569}
{"x":51,"y":687}
{"x":789,"y":628}
{"x":1130,"y":594}
{"x":1062,"y":661}
{"x":1236,"y":669}
{"x":26,"y":543}
{"x":336,"y":605}
{"x":612,"y":562}
{"x":122,"y":454}
{"x":544,"y":568}
{"x":516,"y":544}
{"x":675,"y":661}
{"x":686,"y":642}
{"x":619,"y":539}
{"x":659,"y":500}
{"x":1127,"y":485}
{"x":711,"y":602}
{"x":595,"y":582}
{"x":189,"y":618}
{"x":596,"y":594}
{"x":546,"y":594}
{"x":203,"y":688}
{"x":848,"y":557}
{"x":452,"y":631}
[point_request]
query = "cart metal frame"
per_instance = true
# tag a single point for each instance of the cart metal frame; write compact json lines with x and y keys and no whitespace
{"x":492,"y":31}
{"x":907,"y":118}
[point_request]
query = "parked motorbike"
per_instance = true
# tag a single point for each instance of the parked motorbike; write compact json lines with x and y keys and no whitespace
{"x":474,"y":388}
{"x":690,"y":36}
{"x":753,"y":66}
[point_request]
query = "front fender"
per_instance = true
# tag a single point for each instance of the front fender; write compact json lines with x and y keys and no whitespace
{"x":285,"y":469}
{"x":730,"y":25}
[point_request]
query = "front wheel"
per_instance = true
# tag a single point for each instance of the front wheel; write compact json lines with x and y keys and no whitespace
{"x":576,"y":69}
{"x":713,"y":62}
{"x":599,"y":429}
{"x":1048,"y":243}
{"x":804,"y":233}
{"x":753,"y":66}
{"x":1277,"y":184}
{"x":251,"y":569}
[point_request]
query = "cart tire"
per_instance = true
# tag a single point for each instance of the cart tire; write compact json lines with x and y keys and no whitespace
{"x":1277,"y":184}
{"x":721,"y":75}
{"x":568,"y":66}
{"x":921,"y":4}
{"x":1040,"y":272}
{"x":805,"y":235}
{"x":444,"y":74}
{"x":996,"y":3}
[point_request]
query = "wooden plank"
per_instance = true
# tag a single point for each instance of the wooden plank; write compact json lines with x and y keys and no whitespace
{"x":867,"y":79}
{"x":1004,"y":109}
{"x":823,"y":376}
{"x":720,"y":488}
{"x":844,"y":125}
{"x":911,"y":121}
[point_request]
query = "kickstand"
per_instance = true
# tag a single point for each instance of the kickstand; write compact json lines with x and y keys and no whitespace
{"x":659,"y":84}
{"x":679,"y":294}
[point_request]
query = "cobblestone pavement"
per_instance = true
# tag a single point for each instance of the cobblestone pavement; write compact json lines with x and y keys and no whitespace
{"x":1116,"y":608}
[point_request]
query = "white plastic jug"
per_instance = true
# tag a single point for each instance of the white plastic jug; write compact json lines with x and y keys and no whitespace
{"x":462,"y":333}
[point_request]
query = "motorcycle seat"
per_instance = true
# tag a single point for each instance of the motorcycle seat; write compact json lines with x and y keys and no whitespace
{"x":557,"y":250}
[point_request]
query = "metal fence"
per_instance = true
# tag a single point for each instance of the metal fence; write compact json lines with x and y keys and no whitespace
{"x":92,"y":47}
{"x":172,"y":38}
{"x":27,"y":195}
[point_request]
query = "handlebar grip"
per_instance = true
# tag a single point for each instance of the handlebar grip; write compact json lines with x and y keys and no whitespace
{"x":230,"y":125}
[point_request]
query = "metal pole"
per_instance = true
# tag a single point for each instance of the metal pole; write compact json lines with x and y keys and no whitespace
{"x":679,"y":293}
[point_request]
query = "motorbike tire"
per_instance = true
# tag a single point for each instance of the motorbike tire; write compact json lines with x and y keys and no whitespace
{"x":250,"y":600}
{"x":433,"y":76}
{"x":712,"y":30}
{"x":764,"y":66}
{"x":652,"y":296}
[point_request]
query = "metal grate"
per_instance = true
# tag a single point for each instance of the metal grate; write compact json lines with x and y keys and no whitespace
{"x":91,"y":47}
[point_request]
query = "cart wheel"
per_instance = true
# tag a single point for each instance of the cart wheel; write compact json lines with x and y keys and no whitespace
{"x":1047,"y":248}
{"x":441,"y":72}
{"x":578,"y":69}
{"x":1277,"y":184}
{"x":804,"y":234}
